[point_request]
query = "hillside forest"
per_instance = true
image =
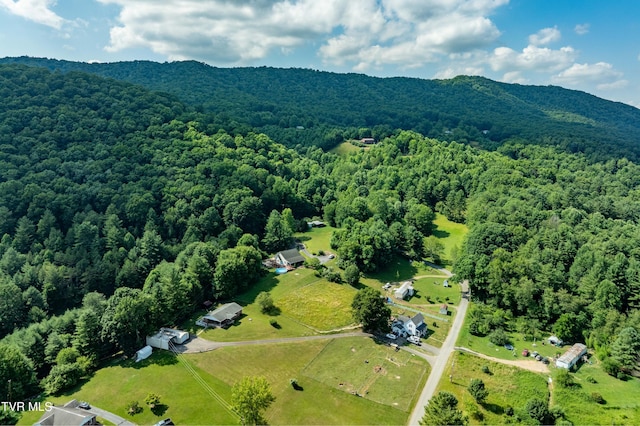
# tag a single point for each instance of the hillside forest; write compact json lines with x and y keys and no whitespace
{"x":122,"y":210}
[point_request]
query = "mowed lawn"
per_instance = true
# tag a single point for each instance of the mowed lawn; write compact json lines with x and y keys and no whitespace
{"x":346,"y":148}
{"x":621,"y":398}
{"x":431,"y":291}
{"x":318,"y":402}
{"x":305,"y":305}
{"x":508,"y":386}
{"x":185,"y":400}
{"x":377,"y":373}
{"x":316,"y":239}
{"x":451,"y":234}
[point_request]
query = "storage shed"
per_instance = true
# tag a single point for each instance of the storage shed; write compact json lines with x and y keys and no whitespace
{"x":144,"y":353}
{"x":404,"y":291}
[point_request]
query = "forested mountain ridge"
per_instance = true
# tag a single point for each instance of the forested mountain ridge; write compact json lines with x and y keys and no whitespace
{"x":332,"y":107}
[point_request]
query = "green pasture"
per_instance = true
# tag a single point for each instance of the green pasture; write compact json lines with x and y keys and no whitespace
{"x":345,"y":148}
{"x":316,"y":239}
{"x":183,"y":398}
{"x":431,"y":291}
{"x":399,"y":269}
{"x":375,"y":372}
{"x":451,"y":234}
{"x":317,"y":402}
{"x":507,"y":386}
{"x":621,"y":398}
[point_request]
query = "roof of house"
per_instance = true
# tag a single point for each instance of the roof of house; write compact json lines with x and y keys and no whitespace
{"x":65,"y":416}
{"x":225,"y":312}
{"x":292,"y":256}
{"x":417,"y":319}
{"x":444,"y":306}
{"x":575,"y":351}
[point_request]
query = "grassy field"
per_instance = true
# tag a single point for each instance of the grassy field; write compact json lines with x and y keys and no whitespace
{"x":316,"y":239}
{"x":321,"y":401}
{"x":451,"y":234}
{"x":322,"y":305}
{"x":345,"y":148}
{"x":507,"y":386}
{"x":621,"y":406}
{"x":431,"y":291}
{"x":400,"y":269}
{"x":318,"y":402}
{"x":377,"y":373}
{"x":183,"y":399}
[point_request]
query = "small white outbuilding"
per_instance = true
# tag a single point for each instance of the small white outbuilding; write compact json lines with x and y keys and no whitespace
{"x":144,"y":353}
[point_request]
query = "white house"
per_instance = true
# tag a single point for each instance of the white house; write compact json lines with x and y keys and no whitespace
{"x":67,"y":415}
{"x":404,"y":291}
{"x":572,"y":356}
{"x":405,"y":326}
{"x":290,"y":257}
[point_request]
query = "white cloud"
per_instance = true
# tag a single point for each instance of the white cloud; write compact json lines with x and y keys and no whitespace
{"x":532,"y":58}
{"x":38,"y":11}
{"x":600,"y":74}
{"x":581,"y":29}
{"x":544,"y":36}
{"x":358,"y":33}
{"x":514,"y":77}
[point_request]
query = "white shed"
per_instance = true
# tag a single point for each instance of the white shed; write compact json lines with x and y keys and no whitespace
{"x":144,"y":353}
{"x":405,"y":290}
{"x":166,"y":336}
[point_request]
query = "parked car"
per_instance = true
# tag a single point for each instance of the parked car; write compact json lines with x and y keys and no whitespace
{"x":508,"y":347}
{"x":165,"y":422}
{"x":84,"y":405}
{"x":525,"y":352}
{"x":387,"y":286}
{"x":538,"y":357}
{"x":545,"y":360}
{"x":414,"y":339}
{"x":332,"y":256}
{"x":391,"y":336}
{"x":534,"y":354}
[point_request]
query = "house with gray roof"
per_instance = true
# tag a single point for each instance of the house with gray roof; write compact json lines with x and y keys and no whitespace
{"x":67,"y":415}
{"x":223,"y":317}
{"x":291,"y":258}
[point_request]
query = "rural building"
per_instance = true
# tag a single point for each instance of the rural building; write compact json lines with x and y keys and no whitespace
{"x":405,"y":326}
{"x":316,"y":224}
{"x":368,"y":141}
{"x":444,"y":309}
{"x":572,"y":356}
{"x":291,"y":258}
{"x":67,"y":415}
{"x":404,"y":291}
{"x":555,"y":341}
{"x":223,"y":317}
{"x":167,"y":336}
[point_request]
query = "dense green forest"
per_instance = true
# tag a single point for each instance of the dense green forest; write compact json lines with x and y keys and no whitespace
{"x":122,"y":210}
{"x":307,"y":107}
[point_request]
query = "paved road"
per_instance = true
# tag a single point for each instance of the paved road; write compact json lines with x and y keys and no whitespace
{"x":441,"y":361}
{"x":197,"y":345}
{"x":116,"y":420}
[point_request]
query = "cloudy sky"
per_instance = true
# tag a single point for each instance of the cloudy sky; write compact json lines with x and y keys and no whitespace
{"x":590,"y":45}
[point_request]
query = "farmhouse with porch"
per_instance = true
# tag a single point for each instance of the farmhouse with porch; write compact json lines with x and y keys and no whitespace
{"x":405,"y":326}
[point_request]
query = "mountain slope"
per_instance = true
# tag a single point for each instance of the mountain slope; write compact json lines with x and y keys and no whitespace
{"x":468,"y":109}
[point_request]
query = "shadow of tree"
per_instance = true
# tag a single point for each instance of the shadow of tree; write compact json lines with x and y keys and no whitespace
{"x":159,"y":409}
{"x":494,"y":408}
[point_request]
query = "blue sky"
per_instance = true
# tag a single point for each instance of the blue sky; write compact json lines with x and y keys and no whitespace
{"x":589,"y":45}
